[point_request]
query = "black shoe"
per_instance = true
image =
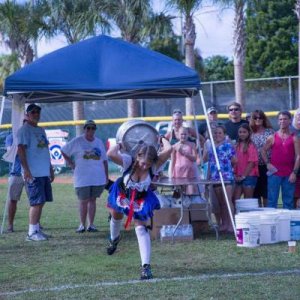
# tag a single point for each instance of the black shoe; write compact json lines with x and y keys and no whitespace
{"x":112,"y":246}
{"x":146,"y":272}
{"x":92,"y":228}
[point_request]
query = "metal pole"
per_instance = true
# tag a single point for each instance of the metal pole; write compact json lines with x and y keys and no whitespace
{"x":290,"y":93}
{"x":217,"y":162}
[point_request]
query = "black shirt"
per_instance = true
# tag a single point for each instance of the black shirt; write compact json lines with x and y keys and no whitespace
{"x":233,"y":128}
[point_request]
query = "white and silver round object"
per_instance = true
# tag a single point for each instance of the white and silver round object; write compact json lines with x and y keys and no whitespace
{"x":135,"y":133}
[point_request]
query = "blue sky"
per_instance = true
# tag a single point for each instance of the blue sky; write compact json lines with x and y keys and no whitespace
{"x":214,"y":32}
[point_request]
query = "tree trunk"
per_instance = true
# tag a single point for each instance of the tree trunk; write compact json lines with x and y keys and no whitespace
{"x":239,"y":86}
{"x":133,"y":108}
{"x":189,"y":33}
{"x":239,"y":40}
{"x":78,"y":114}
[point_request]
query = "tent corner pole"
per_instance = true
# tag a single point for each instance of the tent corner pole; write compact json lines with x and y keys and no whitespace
{"x":217,"y":161}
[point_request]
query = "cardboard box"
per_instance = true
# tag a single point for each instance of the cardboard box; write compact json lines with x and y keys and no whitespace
{"x":200,"y":227}
{"x":167,"y":216}
{"x":198,"y":212}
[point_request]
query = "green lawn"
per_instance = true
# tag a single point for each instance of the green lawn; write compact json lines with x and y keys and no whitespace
{"x":75,"y":266}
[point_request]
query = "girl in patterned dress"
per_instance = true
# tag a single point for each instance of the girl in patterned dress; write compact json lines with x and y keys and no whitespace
{"x":131,"y":195}
{"x":226,"y":155}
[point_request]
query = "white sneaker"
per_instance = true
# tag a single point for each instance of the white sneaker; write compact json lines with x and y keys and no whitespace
{"x":47,"y":236}
{"x":36,"y":237}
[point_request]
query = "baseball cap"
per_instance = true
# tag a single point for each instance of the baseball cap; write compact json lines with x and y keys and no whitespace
{"x":89,"y":123}
{"x":32,"y":106}
{"x":210,"y":109}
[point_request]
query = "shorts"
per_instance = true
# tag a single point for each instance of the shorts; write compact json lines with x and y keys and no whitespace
{"x":87,"y":192}
{"x":39,"y":191}
{"x":249,"y":181}
{"x":15,"y":187}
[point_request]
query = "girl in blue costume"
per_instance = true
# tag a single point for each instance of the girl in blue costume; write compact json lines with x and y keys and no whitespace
{"x":131,"y":195}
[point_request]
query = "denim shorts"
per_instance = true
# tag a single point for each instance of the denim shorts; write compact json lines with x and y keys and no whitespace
{"x":39,"y":190}
{"x":87,"y":192}
{"x":249,"y":181}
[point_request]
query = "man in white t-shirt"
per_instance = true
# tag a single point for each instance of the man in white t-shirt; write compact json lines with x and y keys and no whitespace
{"x":86,"y":155}
{"x":37,"y":171}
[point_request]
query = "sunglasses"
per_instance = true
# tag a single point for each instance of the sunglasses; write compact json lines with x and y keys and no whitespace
{"x":234,"y":109}
{"x":33,"y":112}
{"x":213,"y":112}
{"x":177,"y":112}
{"x":90,"y":128}
{"x":257,"y":118}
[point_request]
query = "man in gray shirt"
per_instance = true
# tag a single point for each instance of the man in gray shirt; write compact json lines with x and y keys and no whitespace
{"x":37,"y":170}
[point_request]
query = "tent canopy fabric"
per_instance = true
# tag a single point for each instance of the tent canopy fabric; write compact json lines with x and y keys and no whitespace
{"x":102,"y":68}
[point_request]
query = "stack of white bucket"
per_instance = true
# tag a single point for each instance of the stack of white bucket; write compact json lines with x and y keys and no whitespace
{"x":267,"y":226}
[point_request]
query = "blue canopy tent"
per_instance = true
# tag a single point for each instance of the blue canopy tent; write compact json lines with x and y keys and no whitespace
{"x":102,"y":68}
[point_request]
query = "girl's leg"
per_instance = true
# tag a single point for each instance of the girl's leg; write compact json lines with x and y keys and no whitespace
{"x":144,"y":242}
{"x":115,"y":229}
{"x":228,"y":219}
{"x":219,"y":195}
{"x":237,"y":193}
{"x":115,"y":224}
{"x":248,"y":191}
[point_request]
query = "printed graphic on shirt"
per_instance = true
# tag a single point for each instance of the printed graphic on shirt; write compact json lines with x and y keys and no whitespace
{"x":94,"y":154}
{"x":42,"y":141}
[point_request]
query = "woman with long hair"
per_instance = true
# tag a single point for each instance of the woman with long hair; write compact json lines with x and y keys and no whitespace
{"x":261,"y":130}
{"x":246,"y":168}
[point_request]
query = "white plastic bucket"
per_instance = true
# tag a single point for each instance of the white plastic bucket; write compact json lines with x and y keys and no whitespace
{"x":295,"y":225}
{"x":247,"y":230}
{"x":284,"y":220}
{"x":269,"y":228}
{"x":246,"y":204}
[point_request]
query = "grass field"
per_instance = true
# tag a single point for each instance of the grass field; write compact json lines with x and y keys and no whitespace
{"x":75,"y":266}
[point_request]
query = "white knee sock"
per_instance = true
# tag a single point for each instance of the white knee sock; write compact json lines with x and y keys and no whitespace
{"x":115,"y":228}
{"x":144,"y":244}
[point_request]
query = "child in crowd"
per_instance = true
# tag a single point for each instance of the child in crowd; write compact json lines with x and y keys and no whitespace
{"x":183,"y":160}
{"x":246,"y":168}
{"x":226,"y":156}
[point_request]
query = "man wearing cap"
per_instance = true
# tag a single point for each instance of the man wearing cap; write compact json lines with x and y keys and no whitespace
{"x":86,"y":155}
{"x":37,"y":170}
{"x":212,"y":115}
{"x":235,"y":120}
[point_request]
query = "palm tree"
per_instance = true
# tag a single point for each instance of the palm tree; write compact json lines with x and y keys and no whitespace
{"x":239,"y":45}
{"x":297,"y":11}
{"x":130,"y":17}
{"x":8,"y":65}
{"x":76,"y":20}
{"x":20,"y":25}
{"x":188,"y":8}
{"x":138,"y":24}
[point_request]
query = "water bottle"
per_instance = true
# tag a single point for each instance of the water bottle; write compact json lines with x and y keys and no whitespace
{"x":163,"y":231}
